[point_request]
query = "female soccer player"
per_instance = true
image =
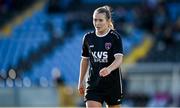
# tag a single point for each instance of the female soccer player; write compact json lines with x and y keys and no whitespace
{"x":102,"y":52}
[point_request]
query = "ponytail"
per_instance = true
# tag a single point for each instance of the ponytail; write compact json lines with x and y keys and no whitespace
{"x":111,"y":26}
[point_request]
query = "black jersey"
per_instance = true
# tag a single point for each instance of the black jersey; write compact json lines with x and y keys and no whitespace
{"x":101,"y":52}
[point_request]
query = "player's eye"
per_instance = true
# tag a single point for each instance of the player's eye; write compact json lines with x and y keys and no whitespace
{"x":95,"y":20}
{"x":100,"y":20}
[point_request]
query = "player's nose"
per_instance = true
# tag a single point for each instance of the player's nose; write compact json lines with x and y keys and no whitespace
{"x":97,"y":23}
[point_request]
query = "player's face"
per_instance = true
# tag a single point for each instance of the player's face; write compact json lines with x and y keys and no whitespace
{"x":100,"y":22}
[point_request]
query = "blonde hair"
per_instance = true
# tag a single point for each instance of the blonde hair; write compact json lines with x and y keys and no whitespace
{"x":107,"y":10}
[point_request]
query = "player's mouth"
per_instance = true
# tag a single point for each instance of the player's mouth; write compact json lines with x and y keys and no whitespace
{"x":98,"y":28}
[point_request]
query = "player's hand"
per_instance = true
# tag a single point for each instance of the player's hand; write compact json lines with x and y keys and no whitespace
{"x":104,"y":72}
{"x":81,"y":89}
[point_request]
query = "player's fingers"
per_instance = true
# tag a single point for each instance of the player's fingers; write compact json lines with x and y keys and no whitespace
{"x":81,"y":91}
{"x":105,"y":73}
{"x":102,"y":73}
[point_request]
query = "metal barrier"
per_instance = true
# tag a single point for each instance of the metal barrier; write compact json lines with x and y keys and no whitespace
{"x":150,"y":78}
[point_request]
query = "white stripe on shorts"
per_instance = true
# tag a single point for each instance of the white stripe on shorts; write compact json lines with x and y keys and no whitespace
{"x":120,"y":80}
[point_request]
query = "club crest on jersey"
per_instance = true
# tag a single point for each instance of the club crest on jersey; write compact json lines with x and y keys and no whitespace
{"x":108,"y":45}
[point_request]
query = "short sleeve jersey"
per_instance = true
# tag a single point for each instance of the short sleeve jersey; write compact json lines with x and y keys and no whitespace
{"x":101,"y":53}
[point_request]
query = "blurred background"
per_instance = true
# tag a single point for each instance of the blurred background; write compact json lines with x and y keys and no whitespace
{"x":40,"y":51}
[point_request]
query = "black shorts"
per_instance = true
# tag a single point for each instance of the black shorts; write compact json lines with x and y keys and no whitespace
{"x":112,"y":98}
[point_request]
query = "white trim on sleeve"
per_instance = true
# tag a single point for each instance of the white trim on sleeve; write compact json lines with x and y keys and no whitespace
{"x":84,"y":57}
{"x":118,"y":54}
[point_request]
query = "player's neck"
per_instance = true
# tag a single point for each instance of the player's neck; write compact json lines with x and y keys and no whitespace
{"x":103,"y":33}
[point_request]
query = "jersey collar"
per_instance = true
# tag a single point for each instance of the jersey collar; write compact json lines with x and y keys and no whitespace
{"x":103,"y":34}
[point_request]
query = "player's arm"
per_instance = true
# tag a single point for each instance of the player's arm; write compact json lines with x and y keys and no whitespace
{"x":83,"y":65}
{"x":115,"y":64}
{"x":83,"y":69}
